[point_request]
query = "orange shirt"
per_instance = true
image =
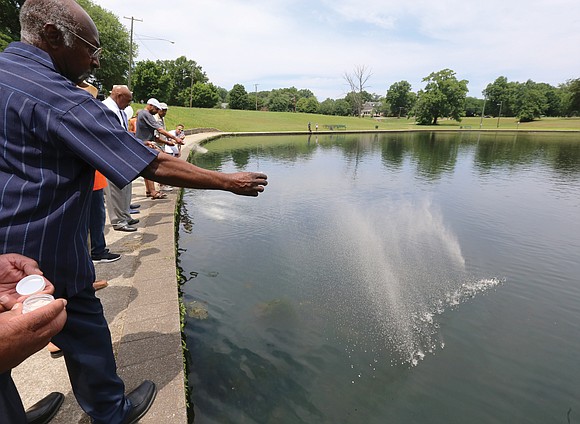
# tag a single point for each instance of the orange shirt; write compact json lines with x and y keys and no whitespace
{"x":100,"y":181}
{"x":133,"y":124}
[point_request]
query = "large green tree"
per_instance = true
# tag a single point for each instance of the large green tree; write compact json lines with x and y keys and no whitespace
{"x":571,"y":97}
{"x":554,"y":99}
{"x":500,"y":93}
{"x":530,"y":101}
{"x":183,"y":73}
{"x":341,"y":108}
{"x":400,"y":98}
{"x":526,"y":101}
{"x":443,"y":97}
{"x":238,"y":97}
{"x":286,"y":99}
{"x":204,"y":95}
{"x":279,"y":101}
{"x":473,"y":106}
{"x":307,"y":105}
{"x":149,"y":79}
{"x":326,"y":107}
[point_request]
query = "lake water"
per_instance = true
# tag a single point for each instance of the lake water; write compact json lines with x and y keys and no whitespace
{"x":386,"y":278}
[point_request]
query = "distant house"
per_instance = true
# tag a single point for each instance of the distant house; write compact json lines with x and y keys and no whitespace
{"x":371,"y":109}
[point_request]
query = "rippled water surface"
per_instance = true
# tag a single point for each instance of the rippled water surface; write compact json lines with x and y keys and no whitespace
{"x":400,"y":278}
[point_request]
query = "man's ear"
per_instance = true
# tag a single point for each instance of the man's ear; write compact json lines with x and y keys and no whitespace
{"x":52,"y":36}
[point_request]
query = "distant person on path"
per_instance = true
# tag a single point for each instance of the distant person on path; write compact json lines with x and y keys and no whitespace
{"x":54,"y":138}
{"x":175,"y":150}
{"x":309,"y":127}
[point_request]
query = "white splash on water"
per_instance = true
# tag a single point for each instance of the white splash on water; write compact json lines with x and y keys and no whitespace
{"x":406,"y":267}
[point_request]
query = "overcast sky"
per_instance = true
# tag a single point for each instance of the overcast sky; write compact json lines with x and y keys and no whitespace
{"x":312,"y":43}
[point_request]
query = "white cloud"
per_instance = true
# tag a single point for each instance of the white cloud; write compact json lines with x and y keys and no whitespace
{"x":310,"y":44}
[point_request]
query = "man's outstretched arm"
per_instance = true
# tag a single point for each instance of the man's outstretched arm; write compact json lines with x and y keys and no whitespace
{"x":169,"y":170}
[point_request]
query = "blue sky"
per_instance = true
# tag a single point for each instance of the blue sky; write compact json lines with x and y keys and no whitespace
{"x":311,"y":44}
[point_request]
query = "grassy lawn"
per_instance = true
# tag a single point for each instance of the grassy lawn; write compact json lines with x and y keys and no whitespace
{"x":247,"y":121}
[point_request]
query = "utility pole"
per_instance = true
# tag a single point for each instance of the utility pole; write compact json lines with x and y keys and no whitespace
{"x":131,"y":49}
{"x":256,"y":87}
{"x":499,"y":114}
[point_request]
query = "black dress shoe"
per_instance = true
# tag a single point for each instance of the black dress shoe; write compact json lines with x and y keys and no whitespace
{"x":134,"y":206}
{"x":126,"y":228}
{"x":45,"y":409}
{"x":141,"y":400}
{"x":133,"y":221}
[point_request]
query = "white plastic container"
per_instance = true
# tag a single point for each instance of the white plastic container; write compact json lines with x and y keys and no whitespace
{"x":36,"y":301}
{"x":31,"y":286}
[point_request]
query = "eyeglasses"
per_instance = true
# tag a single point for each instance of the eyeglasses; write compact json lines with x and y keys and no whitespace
{"x":97,"y":50}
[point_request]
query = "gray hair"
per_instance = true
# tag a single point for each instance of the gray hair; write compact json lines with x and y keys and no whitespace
{"x":34,"y":14}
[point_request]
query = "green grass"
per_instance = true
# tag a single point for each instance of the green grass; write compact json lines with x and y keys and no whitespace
{"x":252,"y":121}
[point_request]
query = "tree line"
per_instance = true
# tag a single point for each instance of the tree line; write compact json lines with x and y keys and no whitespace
{"x":182,"y":82}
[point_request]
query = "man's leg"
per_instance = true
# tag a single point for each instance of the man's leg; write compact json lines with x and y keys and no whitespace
{"x":97,"y":223}
{"x":11,"y":409}
{"x":88,"y":352}
{"x":117,"y":206}
{"x":127,"y":194}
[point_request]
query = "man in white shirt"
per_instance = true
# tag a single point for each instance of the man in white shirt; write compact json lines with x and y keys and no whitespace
{"x":160,"y":138}
{"x":119,"y":200}
{"x":175,"y":150}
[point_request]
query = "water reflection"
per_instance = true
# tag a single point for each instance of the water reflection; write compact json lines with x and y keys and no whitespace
{"x":432,"y":153}
{"x":351,"y":290}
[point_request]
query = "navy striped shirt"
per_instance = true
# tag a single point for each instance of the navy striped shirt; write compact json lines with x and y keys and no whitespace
{"x":53,"y":136}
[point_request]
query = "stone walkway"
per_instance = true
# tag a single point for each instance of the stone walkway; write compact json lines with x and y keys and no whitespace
{"x":142,"y":308}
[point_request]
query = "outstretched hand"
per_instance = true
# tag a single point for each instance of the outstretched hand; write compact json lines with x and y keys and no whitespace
{"x":248,"y":183}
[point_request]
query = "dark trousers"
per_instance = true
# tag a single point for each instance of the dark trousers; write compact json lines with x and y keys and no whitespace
{"x":11,"y":409}
{"x":88,"y":352}
{"x":97,"y":217}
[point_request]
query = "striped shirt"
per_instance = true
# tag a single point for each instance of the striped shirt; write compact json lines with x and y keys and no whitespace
{"x":52,"y":138}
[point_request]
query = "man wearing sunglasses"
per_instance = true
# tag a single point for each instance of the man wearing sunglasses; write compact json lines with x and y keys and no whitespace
{"x":53,"y":136}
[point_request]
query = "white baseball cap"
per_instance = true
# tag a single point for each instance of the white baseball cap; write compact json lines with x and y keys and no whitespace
{"x":163,"y":106}
{"x":154,"y":102}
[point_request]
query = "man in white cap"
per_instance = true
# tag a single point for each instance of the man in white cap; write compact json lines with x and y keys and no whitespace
{"x":147,"y":125}
{"x":160,"y":139}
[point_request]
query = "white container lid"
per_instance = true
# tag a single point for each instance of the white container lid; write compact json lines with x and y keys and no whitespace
{"x":30,"y":284}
